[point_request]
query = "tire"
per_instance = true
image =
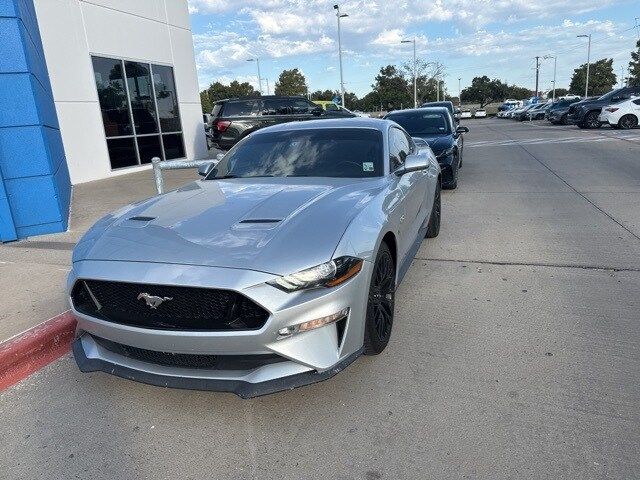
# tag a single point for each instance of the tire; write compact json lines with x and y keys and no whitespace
{"x":433,"y":227}
{"x":379,"y":320}
{"x":591,"y":120}
{"x":627,"y":122}
{"x":564,"y":120}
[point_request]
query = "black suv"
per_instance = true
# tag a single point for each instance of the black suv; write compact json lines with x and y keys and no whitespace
{"x":235,"y":118}
{"x":557,"y":113}
{"x":585,"y":114}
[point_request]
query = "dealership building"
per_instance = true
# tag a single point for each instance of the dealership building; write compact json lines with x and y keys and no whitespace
{"x":89,"y":89}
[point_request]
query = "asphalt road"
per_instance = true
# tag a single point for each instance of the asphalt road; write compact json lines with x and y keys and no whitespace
{"x":515,"y":351}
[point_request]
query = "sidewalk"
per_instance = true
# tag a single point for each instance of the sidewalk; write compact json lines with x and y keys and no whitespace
{"x":33,"y":272}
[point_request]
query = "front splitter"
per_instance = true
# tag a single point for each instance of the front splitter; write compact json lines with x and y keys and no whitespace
{"x":241,"y":388}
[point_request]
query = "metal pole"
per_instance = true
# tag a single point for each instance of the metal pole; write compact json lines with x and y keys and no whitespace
{"x":586,"y":87}
{"x":259,"y":77}
{"x":535,"y":94}
{"x":555,"y":64}
{"x":437,"y":89}
{"x":157,"y":174}
{"x":415,"y":76}
{"x":337,"y":8}
{"x":459,"y":93}
{"x":267,"y":86}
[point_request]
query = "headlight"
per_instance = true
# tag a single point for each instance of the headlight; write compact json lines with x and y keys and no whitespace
{"x":328,"y":274}
{"x":445,"y":153}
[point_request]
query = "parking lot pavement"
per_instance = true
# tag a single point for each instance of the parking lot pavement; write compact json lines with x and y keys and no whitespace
{"x":514,"y":353}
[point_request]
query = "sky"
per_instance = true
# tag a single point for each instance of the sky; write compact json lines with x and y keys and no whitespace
{"x":497,"y":38}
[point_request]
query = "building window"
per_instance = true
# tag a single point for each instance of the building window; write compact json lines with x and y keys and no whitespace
{"x":140,"y":112}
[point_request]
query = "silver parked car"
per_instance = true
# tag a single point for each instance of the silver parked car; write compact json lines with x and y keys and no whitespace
{"x":277,"y":269}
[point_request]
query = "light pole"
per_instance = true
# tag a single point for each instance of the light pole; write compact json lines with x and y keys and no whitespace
{"x":459,"y":92}
{"x":257,"y":60}
{"x":555,"y":63}
{"x":339,"y":16}
{"x":586,"y":86}
{"x":267,"y":80}
{"x":415,"y":72}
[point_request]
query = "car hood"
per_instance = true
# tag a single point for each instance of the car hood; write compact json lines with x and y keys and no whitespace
{"x":274,"y":225}
{"x":438,"y":143}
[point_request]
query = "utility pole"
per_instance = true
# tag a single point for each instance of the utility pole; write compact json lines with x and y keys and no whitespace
{"x":537,"y":75}
{"x":339,"y":16}
{"x":437,"y":89}
{"x":459,"y":92}
{"x":267,"y":86}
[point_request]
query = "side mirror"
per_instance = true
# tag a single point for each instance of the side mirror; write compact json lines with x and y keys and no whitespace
{"x":460,"y":130}
{"x":413,"y":163}
{"x":203,"y":170}
{"x":317,"y":111}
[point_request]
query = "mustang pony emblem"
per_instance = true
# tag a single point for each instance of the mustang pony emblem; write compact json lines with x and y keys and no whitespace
{"x":153,"y":301}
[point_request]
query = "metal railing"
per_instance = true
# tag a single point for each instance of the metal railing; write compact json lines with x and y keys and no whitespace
{"x":159,"y":165}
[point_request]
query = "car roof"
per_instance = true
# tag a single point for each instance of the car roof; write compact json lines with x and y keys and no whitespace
{"x":421,"y":109}
{"x":355,"y":122}
{"x":260,"y":97}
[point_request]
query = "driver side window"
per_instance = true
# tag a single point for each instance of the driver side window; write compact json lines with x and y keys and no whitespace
{"x":399,"y":148}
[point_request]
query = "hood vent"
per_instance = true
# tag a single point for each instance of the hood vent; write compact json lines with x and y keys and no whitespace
{"x":261,"y":220}
{"x":141,"y":219}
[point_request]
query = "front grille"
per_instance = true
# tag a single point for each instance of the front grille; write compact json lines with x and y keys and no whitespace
{"x":176,"y":308}
{"x":188,"y":360}
{"x":572,"y":109}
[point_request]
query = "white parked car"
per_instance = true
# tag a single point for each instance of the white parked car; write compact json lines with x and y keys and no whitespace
{"x":480,"y":113}
{"x":623,"y":115}
{"x":465,"y":114}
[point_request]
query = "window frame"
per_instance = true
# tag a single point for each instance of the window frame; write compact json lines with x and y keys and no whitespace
{"x":160,"y":133}
{"x":412,"y":148}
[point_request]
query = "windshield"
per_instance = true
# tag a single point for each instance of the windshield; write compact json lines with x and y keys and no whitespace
{"x":326,"y":152}
{"x":422,"y":123}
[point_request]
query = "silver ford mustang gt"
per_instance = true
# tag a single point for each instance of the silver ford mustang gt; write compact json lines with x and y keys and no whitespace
{"x":277,"y":269}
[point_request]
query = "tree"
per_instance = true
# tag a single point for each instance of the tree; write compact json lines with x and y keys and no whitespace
{"x":559,"y":92}
{"x":392,"y":88}
{"x":484,"y":91}
{"x":519,"y":93}
{"x":601,"y":78}
{"x":634,"y":67}
{"x":426,"y":75}
{"x":219,"y":91}
{"x":324,"y":95}
{"x":244,"y":89}
{"x":291,"y":82}
{"x":205,"y":101}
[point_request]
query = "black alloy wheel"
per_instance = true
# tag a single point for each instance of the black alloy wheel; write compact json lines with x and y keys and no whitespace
{"x":627,"y":122}
{"x":379,"y":320}
{"x":433,"y":227}
{"x":591,"y":120}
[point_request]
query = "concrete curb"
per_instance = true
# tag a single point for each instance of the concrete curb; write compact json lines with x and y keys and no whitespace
{"x":37,"y":347}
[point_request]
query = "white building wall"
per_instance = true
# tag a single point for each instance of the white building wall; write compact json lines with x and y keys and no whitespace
{"x":151,"y":31}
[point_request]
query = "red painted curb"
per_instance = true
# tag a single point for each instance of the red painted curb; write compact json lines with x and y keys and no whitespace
{"x":35,"y":348}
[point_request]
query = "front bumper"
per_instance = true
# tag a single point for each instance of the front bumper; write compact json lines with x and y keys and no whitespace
{"x":447,"y":168}
{"x":91,"y":357}
{"x":306,"y":355}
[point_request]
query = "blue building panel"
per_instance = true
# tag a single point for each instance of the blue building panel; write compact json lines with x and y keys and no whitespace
{"x":23,"y":151}
{"x":35,"y":190}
